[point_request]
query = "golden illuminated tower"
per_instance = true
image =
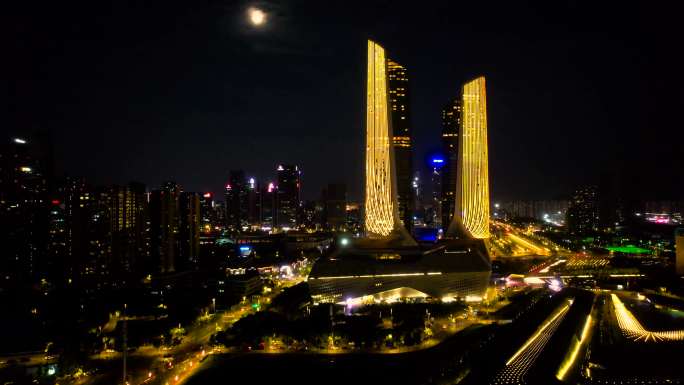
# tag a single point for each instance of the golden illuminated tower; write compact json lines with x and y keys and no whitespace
{"x":381,"y":209}
{"x":471,"y":218}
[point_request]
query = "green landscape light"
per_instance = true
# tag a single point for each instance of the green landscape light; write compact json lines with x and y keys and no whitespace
{"x":629,"y":249}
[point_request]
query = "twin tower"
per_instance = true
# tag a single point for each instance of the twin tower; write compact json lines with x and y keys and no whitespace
{"x":471,"y":216}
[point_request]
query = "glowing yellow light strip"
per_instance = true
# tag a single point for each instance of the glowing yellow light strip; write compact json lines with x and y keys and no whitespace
{"x":472,"y":188}
{"x":380,"y":275}
{"x":632,"y":328}
{"x":380,"y":207}
{"x":538,"y":333}
{"x":567,"y":364}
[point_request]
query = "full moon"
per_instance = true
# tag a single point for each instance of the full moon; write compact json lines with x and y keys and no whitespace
{"x":256,"y":16}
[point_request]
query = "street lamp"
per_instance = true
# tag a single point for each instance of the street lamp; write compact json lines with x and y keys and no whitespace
{"x":213,"y":305}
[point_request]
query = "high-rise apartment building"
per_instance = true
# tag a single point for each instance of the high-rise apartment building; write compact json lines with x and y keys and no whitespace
{"x":189,"y":230}
{"x":400,"y":118}
{"x":23,"y":203}
{"x":164,"y":226}
{"x":583,"y":211}
{"x":128,"y":213}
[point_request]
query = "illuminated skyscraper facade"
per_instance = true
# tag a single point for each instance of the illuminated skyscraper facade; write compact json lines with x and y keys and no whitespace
{"x":381,"y":208}
{"x":472,"y":183}
{"x":451,"y":123}
{"x":400,"y":118}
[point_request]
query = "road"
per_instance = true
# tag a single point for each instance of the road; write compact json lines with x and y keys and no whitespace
{"x":172,"y":365}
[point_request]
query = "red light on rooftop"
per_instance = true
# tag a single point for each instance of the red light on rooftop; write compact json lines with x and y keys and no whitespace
{"x":228,"y":187}
{"x":207,"y":195}
{"x":55,"y":202}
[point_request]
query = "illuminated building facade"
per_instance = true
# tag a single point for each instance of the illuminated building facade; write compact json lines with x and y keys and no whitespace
{"x":288,"y":196}
{"x":451,"y":123}
{"x":388,"y":265}
{"x":472,"y":178}
{"x":400,"y":118}
{"x":381,"y":208}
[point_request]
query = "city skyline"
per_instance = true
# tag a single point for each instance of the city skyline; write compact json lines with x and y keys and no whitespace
{"x":366,"y":193}
{"x":203,"y":93}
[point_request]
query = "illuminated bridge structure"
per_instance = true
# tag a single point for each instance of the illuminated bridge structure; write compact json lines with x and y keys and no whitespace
{"x":381,"y":208}
{"x":471,"y":218}
{"x":632,"y":328}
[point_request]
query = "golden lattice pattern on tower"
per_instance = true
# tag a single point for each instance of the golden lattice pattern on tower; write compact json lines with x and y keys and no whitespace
{"x":472,"y":194}
{"x":380,"y":203}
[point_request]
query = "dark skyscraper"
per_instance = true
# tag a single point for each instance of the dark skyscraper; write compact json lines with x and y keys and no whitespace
{"x":237,"y":201}
{"x":253,"y":204}
{"x":583,"y":211}
{"x":23,"y":203}
{"x":164,"y":226}
{"x":189,"y":230}
{"x":207,"y":213}
{"x":268,"y":206}
{"x":451,"y":121}
{"x":288,"y":196}
{"x":435,"y":216}
{"x":399,"y":104}
{"x":334,"y":206}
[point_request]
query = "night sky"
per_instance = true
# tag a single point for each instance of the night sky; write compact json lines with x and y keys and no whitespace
{"x":577,"y":91}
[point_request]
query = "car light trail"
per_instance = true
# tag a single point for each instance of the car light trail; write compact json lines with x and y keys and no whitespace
{"x":632,"y":328}
{"x":529,"y":245}
{"x":518,"y":365}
